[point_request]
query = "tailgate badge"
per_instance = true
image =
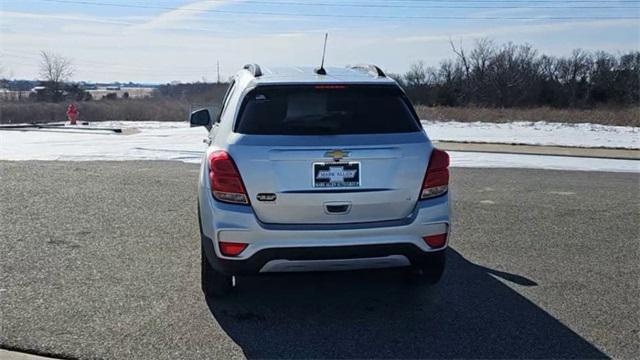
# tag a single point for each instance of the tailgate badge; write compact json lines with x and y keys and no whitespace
{"x":266,"y":197}
{"x":337,"y":155}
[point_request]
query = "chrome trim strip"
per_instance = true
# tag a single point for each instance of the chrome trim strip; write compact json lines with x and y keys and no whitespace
{"x":282,"y":265}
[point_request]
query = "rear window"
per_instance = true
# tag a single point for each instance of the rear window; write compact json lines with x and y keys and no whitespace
{"x":326,"y":110}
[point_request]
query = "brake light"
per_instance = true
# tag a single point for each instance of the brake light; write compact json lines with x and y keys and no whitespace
{"x":435,"y":241}
{"x":231,"y":249}
{"x":330,"y":87}
{"x":225,"y":180}
{"x":436,"y":180}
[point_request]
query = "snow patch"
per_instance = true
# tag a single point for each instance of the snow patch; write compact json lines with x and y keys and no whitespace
{"x":494,"y":160}
{"x":536,"y":133}
{"x":155,"y":141}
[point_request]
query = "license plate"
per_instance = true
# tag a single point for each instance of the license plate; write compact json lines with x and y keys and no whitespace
{"x":329,"y":175}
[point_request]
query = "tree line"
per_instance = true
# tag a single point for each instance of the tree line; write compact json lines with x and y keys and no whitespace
{"x":487,"y":75}
{"x":512,"y":75}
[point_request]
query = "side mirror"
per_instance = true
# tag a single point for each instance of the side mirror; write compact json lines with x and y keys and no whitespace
{"x":201,"y":117}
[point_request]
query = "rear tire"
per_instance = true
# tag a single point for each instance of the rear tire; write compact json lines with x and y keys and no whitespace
{"x":430,"y":272}
{"x":214,"y":283}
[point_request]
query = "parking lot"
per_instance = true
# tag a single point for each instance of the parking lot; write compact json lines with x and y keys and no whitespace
{"x":101,"y":260}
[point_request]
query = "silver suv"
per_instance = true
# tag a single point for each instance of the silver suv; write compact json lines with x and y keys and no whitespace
{"x":319,"y":170}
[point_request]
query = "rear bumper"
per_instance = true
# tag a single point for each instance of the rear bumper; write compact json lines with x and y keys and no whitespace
{"x":326,"y":258}
{"x":319,"y":247}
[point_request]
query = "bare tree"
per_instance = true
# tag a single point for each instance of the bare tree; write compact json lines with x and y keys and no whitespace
{"x":511,"y":75}
{"x":54,"y":68}
{"x":513,"y":71}
{"x":417,"y":75}
{"x":461,"y":56}
{"x":574,"y":72}
{"x":480,"y":59}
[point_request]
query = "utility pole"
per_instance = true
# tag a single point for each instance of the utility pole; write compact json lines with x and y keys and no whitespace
{"x":218,"y":72}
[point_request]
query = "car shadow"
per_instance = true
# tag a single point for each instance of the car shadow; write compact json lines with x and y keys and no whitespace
{"x":470,"y":314}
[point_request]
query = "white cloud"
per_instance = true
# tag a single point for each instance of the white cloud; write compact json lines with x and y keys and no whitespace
{"x":7,"y":15}
{"x":180,"y":14}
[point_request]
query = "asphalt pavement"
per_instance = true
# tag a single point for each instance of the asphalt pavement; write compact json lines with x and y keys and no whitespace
{"x":101,"y":260}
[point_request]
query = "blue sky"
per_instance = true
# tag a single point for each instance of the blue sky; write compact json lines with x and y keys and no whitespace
{"x":166,"y":40}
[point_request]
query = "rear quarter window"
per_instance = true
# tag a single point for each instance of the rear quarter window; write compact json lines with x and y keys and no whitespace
{"x":326,"y":110}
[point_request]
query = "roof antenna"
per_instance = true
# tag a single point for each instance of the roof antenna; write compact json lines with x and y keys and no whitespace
{"x":321,"y":70}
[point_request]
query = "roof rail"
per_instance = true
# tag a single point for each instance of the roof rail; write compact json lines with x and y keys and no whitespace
{"x":253,"y":69}
{"x":370,"y":68}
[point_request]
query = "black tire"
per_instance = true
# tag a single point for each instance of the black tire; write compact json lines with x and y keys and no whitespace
{"x":431,"y":270}
{"x":214,"y":283}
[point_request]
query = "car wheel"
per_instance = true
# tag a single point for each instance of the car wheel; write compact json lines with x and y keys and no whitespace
{"x":431,"y":270}
{"x":214,"y":283}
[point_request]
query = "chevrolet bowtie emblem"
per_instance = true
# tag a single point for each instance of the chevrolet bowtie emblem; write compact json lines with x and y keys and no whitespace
{"x":337,"y":155}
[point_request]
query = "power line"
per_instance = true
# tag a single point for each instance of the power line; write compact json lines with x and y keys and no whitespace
{"x":421,"y":6}
{"x":342,"y":16}
{"x":509,"y":1}
{"x":383,"y":3}
{"x":284,"y":2}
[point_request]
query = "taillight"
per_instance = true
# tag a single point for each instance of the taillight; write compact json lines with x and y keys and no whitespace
{"x":226,"y":183}
{"x":435,"y":241}
{"x":436,"y":181}
{"x":231,"y":249}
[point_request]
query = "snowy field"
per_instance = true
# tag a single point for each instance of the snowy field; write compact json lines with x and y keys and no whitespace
{"x":536,"y":133}
{"x":177,"y":141}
